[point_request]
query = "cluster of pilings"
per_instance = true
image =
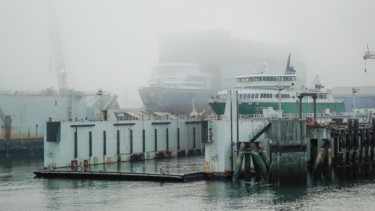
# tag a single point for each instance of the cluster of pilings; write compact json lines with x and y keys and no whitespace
{"x":353,"y":152}
{"x":252,"y":151}
{"x":285,"y":159}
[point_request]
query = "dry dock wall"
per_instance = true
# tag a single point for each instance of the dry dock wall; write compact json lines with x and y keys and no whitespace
{"x":112,"y":141}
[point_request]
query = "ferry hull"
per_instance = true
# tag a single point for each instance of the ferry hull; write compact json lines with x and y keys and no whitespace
{"x":287,"y":108}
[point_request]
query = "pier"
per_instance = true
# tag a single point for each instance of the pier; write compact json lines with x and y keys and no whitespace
{"x":270,"y":148}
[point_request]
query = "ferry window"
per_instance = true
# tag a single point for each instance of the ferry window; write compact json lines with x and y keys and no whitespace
{"x":248,"y":96}
{"x":240,"y":97}
{"x":252,"y":96}
{"x":256,"y":95}
{"x":269,"y":95}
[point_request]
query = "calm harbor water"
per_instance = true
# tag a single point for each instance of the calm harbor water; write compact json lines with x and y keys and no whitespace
{"x":21,"y":191}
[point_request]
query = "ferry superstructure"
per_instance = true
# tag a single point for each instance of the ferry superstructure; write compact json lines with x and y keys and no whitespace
{"x":278,"y":91}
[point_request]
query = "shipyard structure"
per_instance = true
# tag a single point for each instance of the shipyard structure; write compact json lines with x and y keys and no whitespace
{"x":23,"y":116}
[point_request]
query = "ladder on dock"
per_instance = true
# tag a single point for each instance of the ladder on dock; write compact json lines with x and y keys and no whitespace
{"x":259,"y":130}
{"x":2,"y":116}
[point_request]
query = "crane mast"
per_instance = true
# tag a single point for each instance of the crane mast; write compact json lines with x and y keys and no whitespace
{"x":57,"y":61}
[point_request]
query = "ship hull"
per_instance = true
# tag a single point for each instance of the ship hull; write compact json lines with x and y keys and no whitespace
{"x":175,"y":101}
{"x":286,"y":107}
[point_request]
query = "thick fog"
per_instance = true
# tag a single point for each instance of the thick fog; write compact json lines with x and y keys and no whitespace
{"x":113,"y":44}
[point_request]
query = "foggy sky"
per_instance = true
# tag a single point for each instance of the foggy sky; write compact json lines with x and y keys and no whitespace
{"x":112,"y":44}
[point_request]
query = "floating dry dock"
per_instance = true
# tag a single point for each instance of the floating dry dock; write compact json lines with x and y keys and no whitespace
{"x":136,"y":137}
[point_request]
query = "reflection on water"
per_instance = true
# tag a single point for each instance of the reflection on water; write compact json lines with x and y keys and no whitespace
{"x":21,"y":191}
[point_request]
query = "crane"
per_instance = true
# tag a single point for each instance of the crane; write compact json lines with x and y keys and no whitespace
{"x":55,"y":48}
{"x":368,"y":55}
